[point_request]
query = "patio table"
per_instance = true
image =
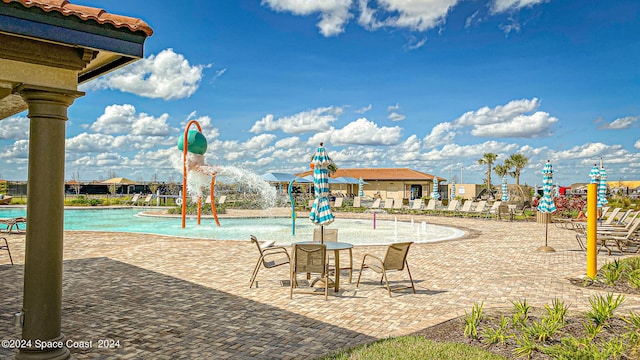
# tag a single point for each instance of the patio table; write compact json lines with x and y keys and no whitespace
{"x":334,"y":246}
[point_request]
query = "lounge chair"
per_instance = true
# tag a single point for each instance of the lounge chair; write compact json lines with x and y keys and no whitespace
{"x":478,"y":209}
{"x":388,"y":204}
{"x":331,"y":235}
{"x":451,"y":208}
{"x":338,"y":203}
{"x":611,"y":217}
{"x":431,"y":205}
{"x":493,"y":210}
{"x":133,"y":200}
{"x":11,"y":223}
{"x":6,"y":247}
{"x":147,"y":200}
{"x":466,"y":207}
{"x":394,"y":260}
{"x":270,"y":257}
{"x":223,"y":198}
{"x":376,"y":204}
{"x":357,"y":201}
{"x":417,"y":204}
{"x":310,"y":203}
{"x":398,"y":204}
{"x":309,"y":259}
{"x":621,"y":240}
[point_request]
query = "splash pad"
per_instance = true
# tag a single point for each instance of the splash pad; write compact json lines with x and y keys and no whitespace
{"x":199,"y":177}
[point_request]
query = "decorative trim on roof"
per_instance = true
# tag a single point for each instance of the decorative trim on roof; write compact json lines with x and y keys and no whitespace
{"x":85,"y":13}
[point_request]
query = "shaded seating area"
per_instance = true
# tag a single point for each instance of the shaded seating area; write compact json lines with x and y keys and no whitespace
{"x":395,"y":259}
{"x":270,"y":257}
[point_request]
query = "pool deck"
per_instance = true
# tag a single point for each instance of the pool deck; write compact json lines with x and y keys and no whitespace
{"x":173,"y":298}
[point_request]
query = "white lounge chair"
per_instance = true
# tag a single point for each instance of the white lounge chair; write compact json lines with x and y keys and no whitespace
{"x":376,"y":204}
{"x":417,"y":204}
{"x":388,"y":204}
{"x":357,"y":201}
{"x":338,"y":202}
{"x":451,"y":208}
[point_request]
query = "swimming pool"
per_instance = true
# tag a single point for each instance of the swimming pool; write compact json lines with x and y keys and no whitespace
{"x":359,"y":232}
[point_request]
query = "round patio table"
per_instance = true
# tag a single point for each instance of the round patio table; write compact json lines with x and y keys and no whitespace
{"x":335,"y":246}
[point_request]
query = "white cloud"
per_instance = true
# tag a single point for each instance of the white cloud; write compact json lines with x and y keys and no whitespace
{"x":413,"y":15}
{"x":637,"y":145}
{"x":365,"y":132}
{"x":364,"y":109}
{"x":588,"y":151}
{"x":441,"y":134}
{"x":508,"y":120}
{"x":15,"y":128}
{"x":394,"y":116}
{"x":500,"y":6}
{"x":620,"y":123}
{"x":288,"y":143}
{"x":334,"y":14}
{"x":393,"y":107}
{"x":315,"y":120}
{"x":122,"y":119}
{"x":167,"y":75}
{"x":19,"y":150}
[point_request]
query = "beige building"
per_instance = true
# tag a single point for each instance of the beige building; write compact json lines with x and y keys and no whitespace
{"x":396,"y":183}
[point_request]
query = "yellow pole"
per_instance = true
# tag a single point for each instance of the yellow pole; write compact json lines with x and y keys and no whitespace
{"x":592,"y":228}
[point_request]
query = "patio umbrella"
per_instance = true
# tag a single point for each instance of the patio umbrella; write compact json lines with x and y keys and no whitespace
{"x":321,"y":211}
{"x":546,"y":204}
{"x":360,"y":187}
{"x":435,"y":194}
{"x":602,"y":188}
{"x":505,"y":193}
{"x":453,"y":190}
{"x":594,"y":174}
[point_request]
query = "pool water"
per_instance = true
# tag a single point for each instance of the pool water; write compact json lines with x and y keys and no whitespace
{"x":359,"y":232}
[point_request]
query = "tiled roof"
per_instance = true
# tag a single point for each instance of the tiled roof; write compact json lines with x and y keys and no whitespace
{"x":87,"y":13}
{"x":380,"y":174}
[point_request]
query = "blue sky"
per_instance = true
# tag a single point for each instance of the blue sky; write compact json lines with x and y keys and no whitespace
{"x":430,"y":85}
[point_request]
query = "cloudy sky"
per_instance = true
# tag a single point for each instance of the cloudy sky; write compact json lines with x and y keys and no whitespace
{"x":430,"y":85}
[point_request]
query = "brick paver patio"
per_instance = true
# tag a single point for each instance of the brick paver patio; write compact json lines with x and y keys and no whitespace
{"x":169,"y":298}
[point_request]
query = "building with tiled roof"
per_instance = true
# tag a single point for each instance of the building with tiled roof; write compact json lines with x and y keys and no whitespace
{"x":396,"y":183}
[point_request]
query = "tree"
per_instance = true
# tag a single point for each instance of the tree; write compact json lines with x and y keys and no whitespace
{"x":501,"y":170}
{"x":517,"y":162}
{"x":488,"y":159}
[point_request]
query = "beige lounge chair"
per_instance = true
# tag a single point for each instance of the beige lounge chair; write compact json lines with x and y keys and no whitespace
{"x":6,"y":247}
{"x":338,"y":203}
{"x":621,"y":240}
{"x":134,"y":199}
{"x":376,"y":204}
{"x":398,"y":204}
{"x":417,"y":204}
{"x":309,"y":259}
{"x":431,"y":205}
{"x":11,"y":223}
{"x":466,"y":207}
{"x":357,"y":201}
{"x":388,"y":204}
{"x":270,"y":257}
{"x":478,"y":209}
{"x":451,"y":208}
{"x":223,"y":199}
{"x":493,"y":210}
{"x":611,"y":217}
{"x":394,"y":260}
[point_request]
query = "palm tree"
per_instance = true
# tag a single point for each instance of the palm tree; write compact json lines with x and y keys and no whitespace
{"x":517,"y":162}
{"x":501,"y":170}
{"x":488,"y":159}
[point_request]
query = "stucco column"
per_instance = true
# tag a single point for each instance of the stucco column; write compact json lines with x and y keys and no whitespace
{"x":42,"y":304}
